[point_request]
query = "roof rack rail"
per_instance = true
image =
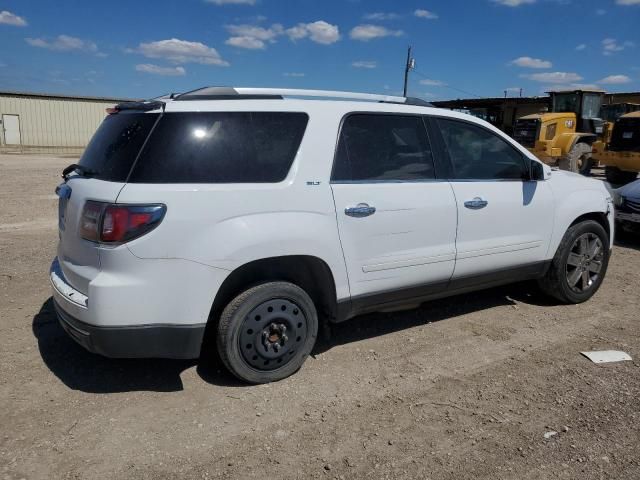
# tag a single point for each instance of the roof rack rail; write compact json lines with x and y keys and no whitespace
{"x":230,"y":93}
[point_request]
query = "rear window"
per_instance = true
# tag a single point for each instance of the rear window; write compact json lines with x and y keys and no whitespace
{"x":221,"y":147}
{"x":115,"y":145}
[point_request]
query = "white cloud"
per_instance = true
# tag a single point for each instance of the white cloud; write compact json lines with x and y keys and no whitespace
{"x":255,"y":37}
{"x":158,"y":70}
{"x":293,"y":74}
{"x":582,"y":46}
{"x":601,"y":11}
{"x":378,"y":16}
{"x":232,"y":2}
{"x":63,"y":43}
{"x":628,"y":2}
{"x":319,"y":32}
{"x":182,"y":51}
{"x":364,"y":64}
{"x":571,"y":86}
{"x":425,"y":14}
{"x":8,"y":18}
{"x":513,"y":3}
{"x":553,"y":77}
{"x":615,"y":80}
{"x":259,"y":33}
{"x":364,"y":33}
{"x":528,"y":62}
{"x":249,"y":43}
{"x":611,"y":45}
{"x":432,"y":83}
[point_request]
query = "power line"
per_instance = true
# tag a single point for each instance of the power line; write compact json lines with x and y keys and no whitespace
{"x":449,"y":86}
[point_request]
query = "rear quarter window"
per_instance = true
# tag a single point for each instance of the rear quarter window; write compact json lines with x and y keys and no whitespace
{"x":221,"y":147}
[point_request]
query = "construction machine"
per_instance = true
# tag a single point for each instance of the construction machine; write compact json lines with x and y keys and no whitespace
{"x":611,"y":112}
{"x":621,"y":155}
{"x":565,"y":136}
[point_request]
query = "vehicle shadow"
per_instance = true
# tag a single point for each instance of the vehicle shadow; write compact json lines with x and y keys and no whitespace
{"x":81,"y":370}
{"x":378,"y":324}
{"x":627,"y":239}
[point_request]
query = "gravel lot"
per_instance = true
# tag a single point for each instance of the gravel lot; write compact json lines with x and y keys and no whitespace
{"x":460,"y":388}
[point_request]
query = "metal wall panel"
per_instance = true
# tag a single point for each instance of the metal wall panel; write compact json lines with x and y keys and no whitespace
{"x":54,"y":122}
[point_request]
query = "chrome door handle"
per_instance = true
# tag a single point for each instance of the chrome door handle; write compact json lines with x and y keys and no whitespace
{"x":476,"y":204}
{"x":360,"y":210}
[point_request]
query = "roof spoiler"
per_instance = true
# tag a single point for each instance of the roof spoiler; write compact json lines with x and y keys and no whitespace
{"x":144,"y":106}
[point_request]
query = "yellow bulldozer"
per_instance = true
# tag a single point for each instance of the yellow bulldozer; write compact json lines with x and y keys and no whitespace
{"x":620,"y":156}
{"x":566,"y":135}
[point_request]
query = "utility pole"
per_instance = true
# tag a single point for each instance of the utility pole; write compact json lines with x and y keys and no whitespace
{"x":410,"y":65}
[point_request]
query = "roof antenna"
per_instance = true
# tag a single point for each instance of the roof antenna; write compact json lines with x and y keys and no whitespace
{"x":410,"y":65}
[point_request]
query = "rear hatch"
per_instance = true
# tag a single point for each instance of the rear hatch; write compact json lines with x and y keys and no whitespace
{"x":101,"y":173}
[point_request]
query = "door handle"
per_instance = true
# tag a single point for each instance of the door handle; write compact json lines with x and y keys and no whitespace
{"x":476,"y":204}
{"x":360,"y":210}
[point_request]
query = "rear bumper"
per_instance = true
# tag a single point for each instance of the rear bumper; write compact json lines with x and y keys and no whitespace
{"x":139,"y":341}
{"x":145,"y":340}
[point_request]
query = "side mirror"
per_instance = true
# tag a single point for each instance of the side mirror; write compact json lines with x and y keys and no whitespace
{"x":536,"y":170}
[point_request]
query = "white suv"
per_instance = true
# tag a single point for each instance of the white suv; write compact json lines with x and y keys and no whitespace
{"x":257,"y":213}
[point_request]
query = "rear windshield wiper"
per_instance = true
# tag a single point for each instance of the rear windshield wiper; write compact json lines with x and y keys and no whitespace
{"x":79,"y":169}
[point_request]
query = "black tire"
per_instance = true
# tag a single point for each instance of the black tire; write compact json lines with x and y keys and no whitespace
{"x":266,"y":333}
{"x":568,"y":262}
{"x":587,"y":165}
{"x":577,"y":158}
{"x":615,"y":176}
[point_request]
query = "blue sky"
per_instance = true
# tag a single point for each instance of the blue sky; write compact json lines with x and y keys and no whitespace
{"x":462,"y":48}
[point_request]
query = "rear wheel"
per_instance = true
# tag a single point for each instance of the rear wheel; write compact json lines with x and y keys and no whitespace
{"x":579,"y":265}
{"x":266,"y":333}
{"x":616,"y":176}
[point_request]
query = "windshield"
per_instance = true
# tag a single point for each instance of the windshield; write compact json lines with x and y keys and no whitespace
{"x":565,"y":102}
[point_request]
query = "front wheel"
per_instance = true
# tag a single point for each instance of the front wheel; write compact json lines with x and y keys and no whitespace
{"x":578,"y":159}
{"x":579,"y":265}
{"x":266,"y":333}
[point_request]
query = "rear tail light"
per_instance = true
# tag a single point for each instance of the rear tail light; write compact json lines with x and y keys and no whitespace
{"x":113,"y":223}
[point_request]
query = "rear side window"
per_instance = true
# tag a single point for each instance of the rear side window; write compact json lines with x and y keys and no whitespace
{"x":383,"y":148}
{"x":221,"y":147}
{"x":478,"y":154}
{"x":115,"y":145}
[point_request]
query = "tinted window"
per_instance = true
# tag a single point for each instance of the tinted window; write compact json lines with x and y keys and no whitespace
{"x":479,"y":154}
{"x":115,"y":145}
{"x":383,"y":147}
{"x":221,"y":147}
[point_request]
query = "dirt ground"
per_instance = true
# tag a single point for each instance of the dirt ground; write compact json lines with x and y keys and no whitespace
{"x":460,"y":388}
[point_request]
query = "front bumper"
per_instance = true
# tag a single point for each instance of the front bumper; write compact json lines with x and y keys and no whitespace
{"x":178,"y":341}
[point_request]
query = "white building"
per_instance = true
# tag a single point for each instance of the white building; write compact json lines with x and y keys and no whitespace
{"x":49,"y":123}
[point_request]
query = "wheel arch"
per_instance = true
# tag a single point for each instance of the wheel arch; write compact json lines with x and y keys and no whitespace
{"x":599,"y":217}
{"x":576,"y":206}
{"x":310,"y":273}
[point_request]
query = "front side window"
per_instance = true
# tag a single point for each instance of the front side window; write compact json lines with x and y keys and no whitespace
{"x":221,"y":147}
{"x":478,"y":154}
{"x":566,"y":102}
{"x":375,"y":148}
{"x":591,"y":105}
